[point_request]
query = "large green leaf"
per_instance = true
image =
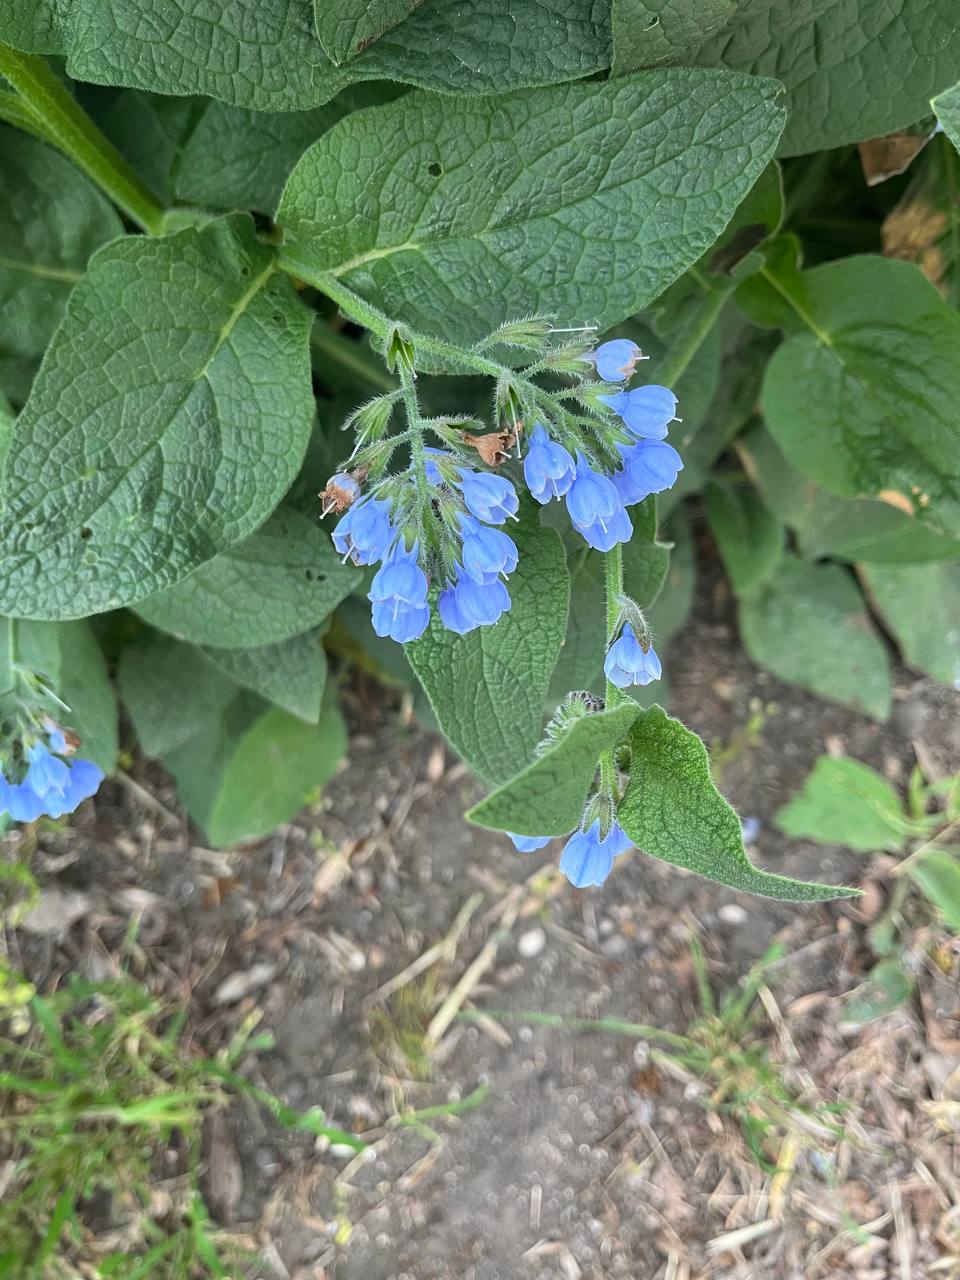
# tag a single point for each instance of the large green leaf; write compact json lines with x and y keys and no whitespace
{"x":170,"y":415}
{"x":171,"y":691}
{"x":852,"y":528}
{"x":749,"y":535}
{"x":853,"y":69}
{"x":650,"y":31}
{"x":291,"y":674}
{"x":266,"y":54}
{"x":584,"y":201}
{"x":68,"y":654}
{"x":283,"y":579}
{"x":846,"y":802}
{"x":808,"y":625}
{"x":488,"y":688}
{"x":864,"y":400}
{"x":51,"y":221}
{"x":253,"y":767}
{"x":920,"y":606}
{"x":547,"y":798}
{"x":672,"y":811}
{"x":347,"y":27}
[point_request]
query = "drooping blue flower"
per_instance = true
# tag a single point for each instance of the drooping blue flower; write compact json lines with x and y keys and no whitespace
{"x":51,"y":785}
{"x":85,"y":778}
{"x":469,"y":604}
{"x":47,"y":775}
{"x":22,"y":803}
{"x":548,"y":468}
{"x":627,"y":664}
{"x":399,"y":597}
{"x":489,"y":497}
{"x":646,"y":411}
{"x":616,"y":360}
{"x":528,"y":844}
{"x":486,"y":552}
{"x":339,"y":492}
{"x":595,"y":508}
{"x":364,"y":532}
{"x":650,"y":466}
{"x":587,"y":860}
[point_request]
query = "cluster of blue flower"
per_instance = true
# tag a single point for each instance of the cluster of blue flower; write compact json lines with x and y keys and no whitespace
{"x":52,"y":785}
{"x":586,"y":859}
{"x":477,"y":596}
{"x":597,"y":503}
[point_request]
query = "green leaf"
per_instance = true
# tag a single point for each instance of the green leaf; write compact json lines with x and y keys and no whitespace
{"x":266,"y":55}
{"x":947,"y":108}
{"x":171,"y":691}
{"x":672,"y":811}
{"x":852,"y":528}
{"x":650,"y":31}
{"x":809,"y":627}
{"x":291,"y":674}
{"x":488,"y":688}
{"x":887,"y":986}
{"x":864,"y":401}
{"x":496,"y":197}
{"x":833,"y":56}
{"x":252,"y":768}
{"x":846,"y":802}
{"x":69,"y":655}
{"x":937,"y":873}
{"x":348,"y":27}
{"x":51,"y":221}
{"x":920,"y":607}
{"x":217,"y":156}
{"x":170,"y":415}
{"x":284,"y":579}
{"x":547,"y":798}
{"x":749,"y":536}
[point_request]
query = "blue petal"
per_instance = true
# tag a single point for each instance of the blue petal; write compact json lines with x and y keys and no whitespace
{"x":585,"y":859}
{"x":47,"y":775}
{"x":528,"y":844}
{"x":616,"y":360}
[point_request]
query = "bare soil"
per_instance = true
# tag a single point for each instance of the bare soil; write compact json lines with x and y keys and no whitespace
{"x":589,"y":1153}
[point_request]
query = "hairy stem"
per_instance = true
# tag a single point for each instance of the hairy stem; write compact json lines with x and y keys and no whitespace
{"x":53,"y":113}
{"x":372,"y":318}
{"x":613,"y":579}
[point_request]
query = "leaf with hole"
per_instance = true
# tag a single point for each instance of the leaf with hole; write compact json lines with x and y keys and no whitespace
{"x":169,"y":417}
{"x":552,"y":196}
{"x":283,"y":579}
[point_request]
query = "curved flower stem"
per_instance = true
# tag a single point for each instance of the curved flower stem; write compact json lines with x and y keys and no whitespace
{"x":372,"y":318}
{"x":613,"y":578}
{"x":55,"y":115}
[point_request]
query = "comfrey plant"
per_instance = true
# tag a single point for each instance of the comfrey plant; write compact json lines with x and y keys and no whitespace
{"x":183,"y":332}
